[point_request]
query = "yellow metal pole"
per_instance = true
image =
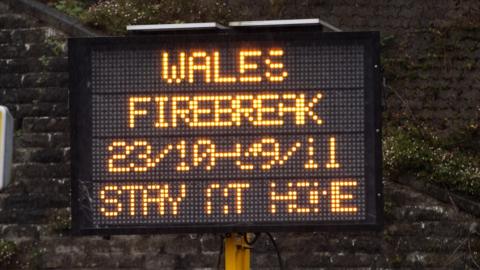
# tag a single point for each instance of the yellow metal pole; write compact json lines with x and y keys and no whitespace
{"x":237,"y":252}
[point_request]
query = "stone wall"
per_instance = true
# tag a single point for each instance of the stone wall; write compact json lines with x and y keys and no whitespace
{"x":431,"y":52}
{"x":420,"y":232}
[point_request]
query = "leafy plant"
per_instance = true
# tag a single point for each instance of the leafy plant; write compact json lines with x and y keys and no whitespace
{"x":60,"y":221}
{"x":114,"y":15}
{"x":73,"y":8}
{"x":7,"y":252}
{"x":56,"y":44}
{"x":431,"y":159}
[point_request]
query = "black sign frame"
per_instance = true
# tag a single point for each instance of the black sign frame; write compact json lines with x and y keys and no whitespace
{"x":79,"y":50}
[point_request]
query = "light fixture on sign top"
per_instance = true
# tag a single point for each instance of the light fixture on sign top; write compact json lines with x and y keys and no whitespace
{"x":314,"y":22}
{"x":176,"y":27}
{"x":214,"y":26}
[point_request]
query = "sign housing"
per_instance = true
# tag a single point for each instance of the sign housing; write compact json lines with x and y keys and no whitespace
{"x":226,"y":132}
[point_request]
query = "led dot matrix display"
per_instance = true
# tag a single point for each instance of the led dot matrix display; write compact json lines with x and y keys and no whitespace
{"x":224,"y":132}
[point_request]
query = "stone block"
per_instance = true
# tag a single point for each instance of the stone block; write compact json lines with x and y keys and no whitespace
{"x":342,"y":259}
{"x":29,"y":35}
{"x":45,"y":124}
{"x":54,"y":64}
{"x":40,"y":110}
{"x":10,"y":80}
{"x":33,"y":140}
{"x":35,"y":95}
{"x":182,"y":244}
{"x":33,"y":64}
{"x":300,"y":244}
{"x":60,"y":139}
{"x":422,"y":213}
{"x":161,"y":261}
{"x":41,"y":50}
{"x":54,"y":94}
{"x":59,"y":187}
{"x":41,"y":170}
{"x":22,"y":216}
{"x":46,"y":79}
{"x":197,"y":261}
{"x":152,"y":244}
{"x":20,"y":95}
{"x":14,"y":232}
{"x":35,"y":201}
{"x":370,"y":244}
{"x":268,"y":261}
{"x":302,"y":259}
{"x":4,"y":36}
{"x":13,"y":66}
{"x":13,"y":21}
{"x":4,"y":8}
{"x":10,"y":51}
{"x":210,"y":242}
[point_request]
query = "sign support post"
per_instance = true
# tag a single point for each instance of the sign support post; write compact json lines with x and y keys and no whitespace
{"x":237,"y":252}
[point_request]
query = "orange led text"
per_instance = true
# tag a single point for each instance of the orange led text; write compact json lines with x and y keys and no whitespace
{"x":252,"y":66}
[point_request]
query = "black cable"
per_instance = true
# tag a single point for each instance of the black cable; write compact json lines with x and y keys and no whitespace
{"x":257,"y":236}
{"x":280,"y":261}
{"x":220,"y":253}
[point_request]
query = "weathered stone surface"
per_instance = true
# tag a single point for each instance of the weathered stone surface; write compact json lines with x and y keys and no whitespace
{"x":3,"y":8}
{"x":9,"y":80}
{"x":34,"y":170}
{"x":16,"y":232}
{"x":210,"y":243}
{"x":419,"y":232}
{"x":60,"y":186}
{"x":28,"y":35}
{"x":33,"y":140}
{"x":33,"y":64}
{"x":45,"y":124}
{"x":46,"y":79}
{"x":9,"y":21}
{"x":20,"y":111}
{"x":182,"y":245}
{"x":161,"y":261}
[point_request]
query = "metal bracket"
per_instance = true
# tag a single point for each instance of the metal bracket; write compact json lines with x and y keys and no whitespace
{"x":237,"y":252}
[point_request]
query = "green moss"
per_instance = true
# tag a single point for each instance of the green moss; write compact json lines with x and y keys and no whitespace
{"x":113,"y":16}
{"x":388,"y":207}
{"x":469,"y":64}
{"x":61,"y":224}
{"x":429,"y":158}
{"x":387,"y":41}
{"x":447,"y":153}
{"x":34,"y":258}
{"x":56,"y":44}
{"x":60,"y":221}
{"x":8,"y":250}
{"x":396,"y":260}
{"x":44,"y":60}
{"x":73,"y":8}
